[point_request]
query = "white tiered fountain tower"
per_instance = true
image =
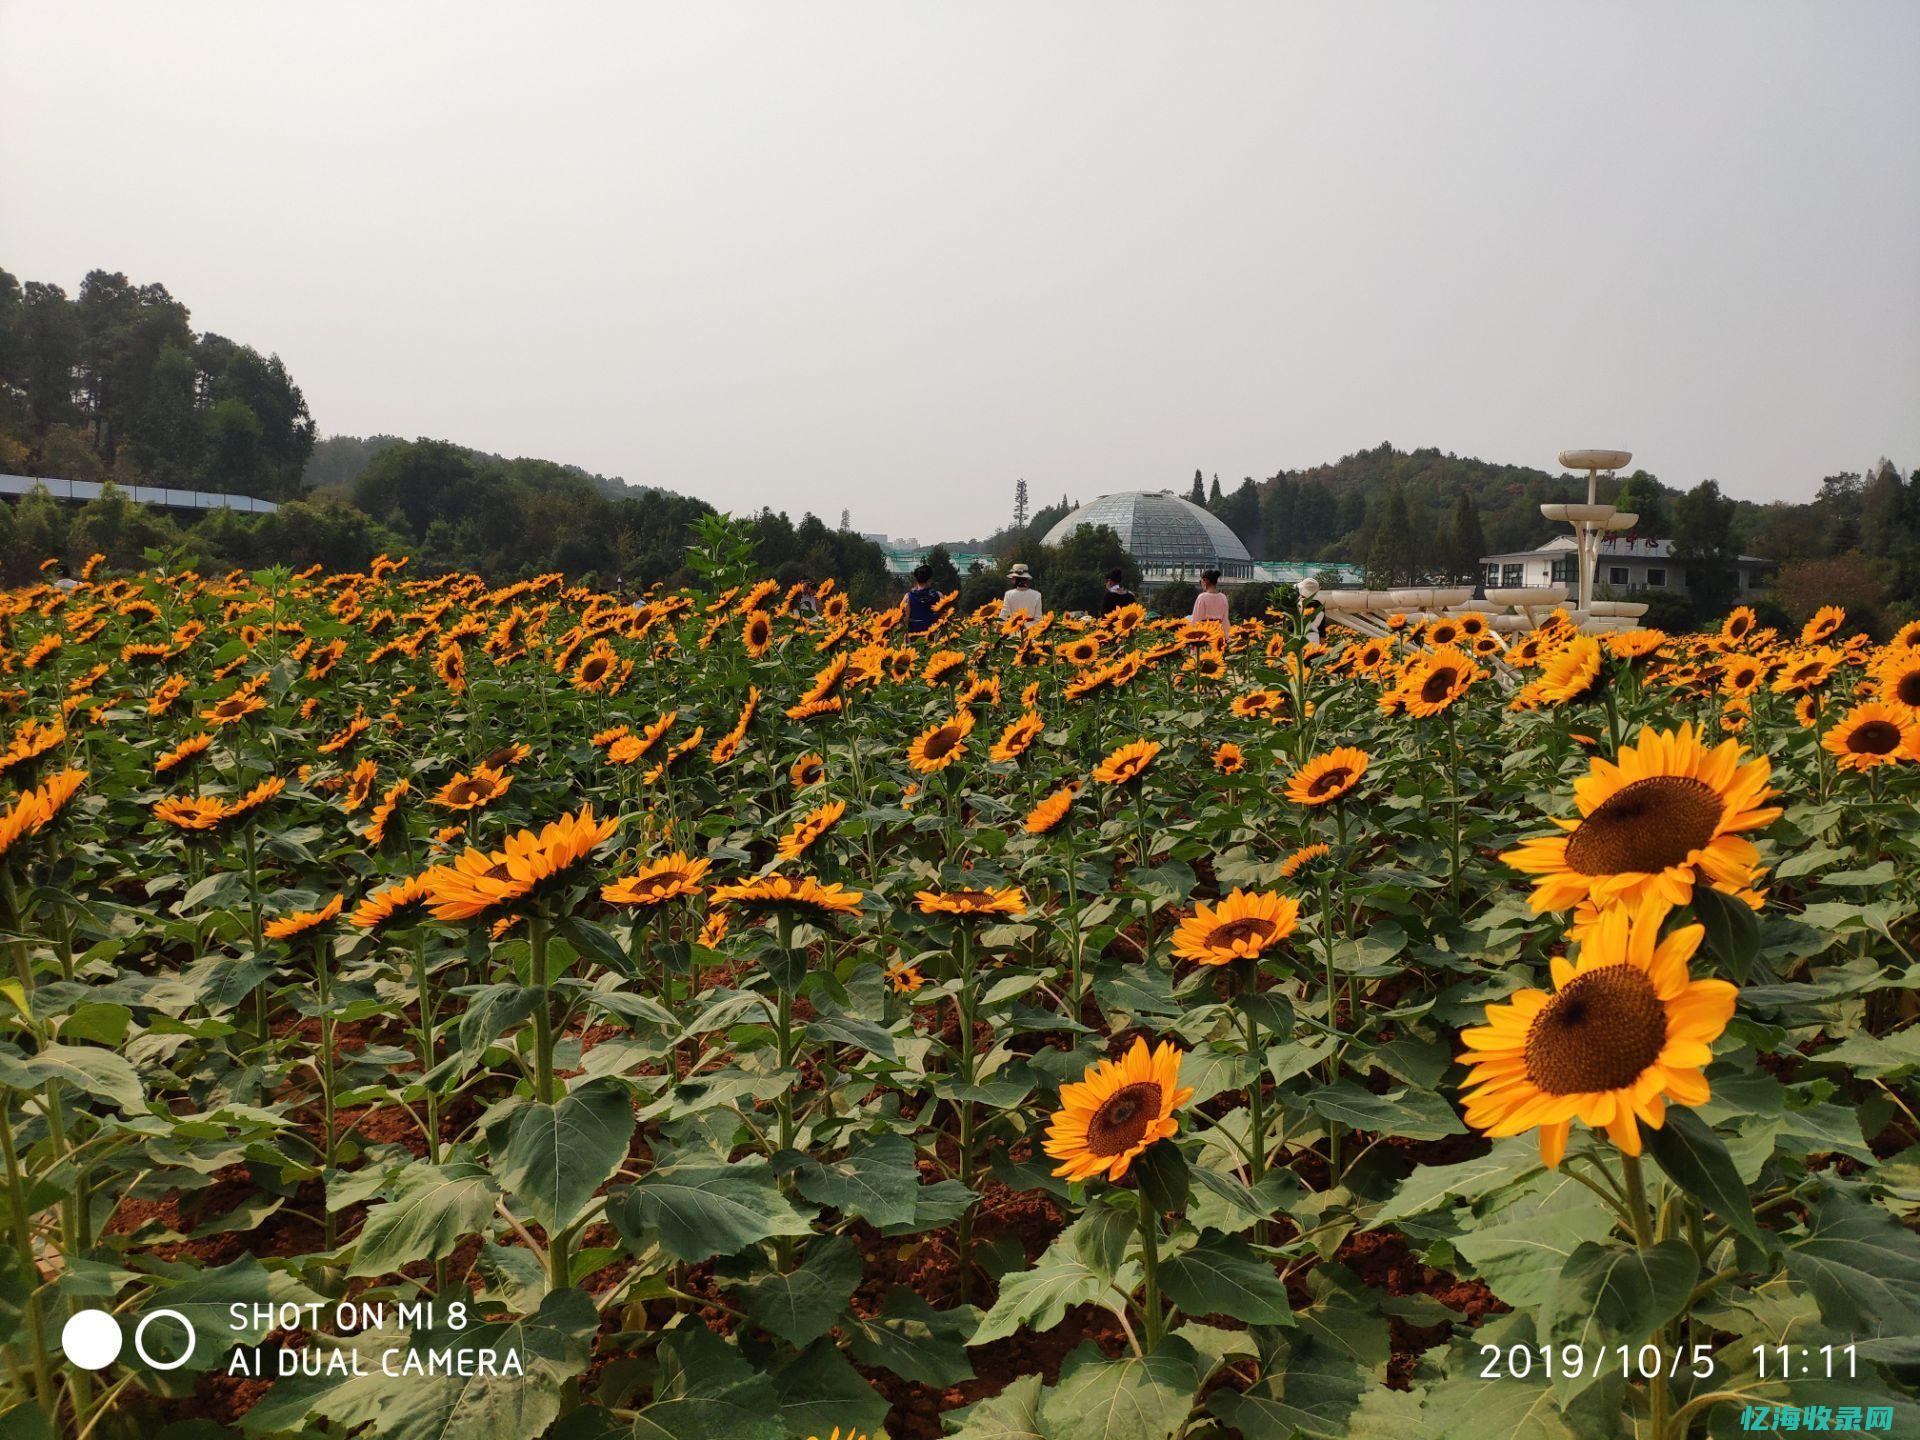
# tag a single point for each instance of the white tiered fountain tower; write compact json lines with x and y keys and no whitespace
{"x":1516,"y":608}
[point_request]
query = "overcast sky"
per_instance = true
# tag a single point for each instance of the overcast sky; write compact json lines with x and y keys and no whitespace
{"x":893,"y":256}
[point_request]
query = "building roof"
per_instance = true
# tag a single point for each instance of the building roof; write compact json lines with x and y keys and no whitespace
{"x":1158,"y":528}
{"x":1612,"y":547}
{"x":165,"y":496}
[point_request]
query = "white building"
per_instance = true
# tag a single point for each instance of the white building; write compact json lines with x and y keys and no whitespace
{"x":1625,"y":564}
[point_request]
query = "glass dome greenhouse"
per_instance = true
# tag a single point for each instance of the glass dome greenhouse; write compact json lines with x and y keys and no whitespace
{"x":1168,"y":536}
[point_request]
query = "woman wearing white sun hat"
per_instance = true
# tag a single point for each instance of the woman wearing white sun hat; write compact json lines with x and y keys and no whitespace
{"x":1022,"y":599}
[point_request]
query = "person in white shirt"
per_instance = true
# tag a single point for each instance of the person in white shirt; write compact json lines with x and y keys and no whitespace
{"x":1022,"y":599}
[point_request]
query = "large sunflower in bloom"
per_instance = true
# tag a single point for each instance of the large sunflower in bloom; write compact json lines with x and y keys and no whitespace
{"x":1240,"y":927}
{"x":1115,"y":1111}
{"x":1870,"y":735}
{"x":483,"y":883}
{"x":787,"y":892}
{"x":1669,"y":811}
{"x":1434,"y":679}
{"x":658,"y":881}
{"x":1326,"y":778}
{"x":1128,"y":763}
{"x":940,"y":745}
{"x":1625,"y":1030}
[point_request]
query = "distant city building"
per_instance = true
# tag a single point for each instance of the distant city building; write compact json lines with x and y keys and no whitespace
{"x":1169,"y":538}
{"x":1624,"y":564}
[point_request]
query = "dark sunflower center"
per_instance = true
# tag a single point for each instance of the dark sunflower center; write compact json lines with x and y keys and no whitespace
{"x":1121,"y":1123}
{"x":1876,"y":737}
{"x":1647,"y":826}
{"x":594,"y":669}
{"x":941,"y":741}
{"x":1599,"y":1033}
{"x":1328,"y":780}
{"x":468,"y":791}
{"x":1439,"y":684}
{"x":1908,"y":689}
{"x":1247,"y":927}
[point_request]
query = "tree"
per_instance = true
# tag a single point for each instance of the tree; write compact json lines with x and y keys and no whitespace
{"x":1642,"y":495}
{"x":1703,"y":543}
{"x":1213,"y":495}
{"x":946,"y":575}
{"x":1020,"y":504}
{"x":1198,"y":495}
{"x":1849,"y":581}
{"x":1391,"y":555}
{"x":1466,"y":541}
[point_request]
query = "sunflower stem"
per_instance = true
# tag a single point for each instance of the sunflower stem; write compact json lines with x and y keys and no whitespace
{"x":1642,"y":1217}
{"x":1152,"y":1314}
{"x":1256,"y":1099}
{"x":323,"y":985}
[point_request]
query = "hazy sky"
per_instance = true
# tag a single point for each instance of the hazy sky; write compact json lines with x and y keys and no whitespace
{"x":892,"y":256}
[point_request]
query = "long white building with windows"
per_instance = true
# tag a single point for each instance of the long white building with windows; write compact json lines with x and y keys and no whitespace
{"x":1625,"y":565}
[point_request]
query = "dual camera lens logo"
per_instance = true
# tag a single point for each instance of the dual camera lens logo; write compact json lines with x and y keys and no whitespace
{"x":92,"y":1339}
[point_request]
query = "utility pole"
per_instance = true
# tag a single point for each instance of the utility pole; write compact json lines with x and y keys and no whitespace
{"x":1019,"y":504}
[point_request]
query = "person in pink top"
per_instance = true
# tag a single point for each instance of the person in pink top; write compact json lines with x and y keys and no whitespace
{"x":1210,"y":605}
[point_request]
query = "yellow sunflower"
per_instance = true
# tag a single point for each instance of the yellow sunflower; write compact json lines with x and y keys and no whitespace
{"x":1017,"y":738}
{"x":1050,"y":811}
{"x":940,"y":745}
{"x":757,"y":632}
{"x":904,"y":977}
{"x":1115,"y":1111}
{"x":472,"y":791}
{"x":1825,"y":620}
{"x":1738,"y":624}
{"x":1625,"y":1030}
{"x":1128,"y":763}
{"x":402,"y":903}
{"x":1667,"y":813}
{"x":788,"y":892}
{"x":1229,"y":759}
{"x":482,"y":883}
{"x":969,"y":903}
{"x":1571,"y":673}
{"x":810,"y":827}
{"x":1870,"y":735}
{"x":809,"y":769}
{"x":1326,"y":778}
{"x":1434,"y":679}
{"x":1743,"y":675}
{"x":1303,"y":857}
{"x":1240,"y":927}
{"x":301,"y":922}
{"x":1897,"y":682}
{"x":658,"y":881}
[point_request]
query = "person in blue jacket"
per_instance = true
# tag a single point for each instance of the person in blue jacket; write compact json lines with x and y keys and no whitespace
{"x":920,"y":598}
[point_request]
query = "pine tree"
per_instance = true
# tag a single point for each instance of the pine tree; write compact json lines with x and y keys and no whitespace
{"x":1468,"y":541}
{"x":1199,"y":495}
{"x":1213,"y":496}
{"x":1020,"y":504}
{"x":1391,"y":553}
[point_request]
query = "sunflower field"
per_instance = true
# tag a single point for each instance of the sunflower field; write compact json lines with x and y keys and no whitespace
{"x":443,"y":1010}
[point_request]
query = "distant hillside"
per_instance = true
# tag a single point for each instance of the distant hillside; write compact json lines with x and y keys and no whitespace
{"x":338,"y":460}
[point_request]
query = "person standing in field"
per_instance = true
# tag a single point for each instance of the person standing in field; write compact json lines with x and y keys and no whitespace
{"x":1116,"y":596}
{"x":920,"y":598}
{"x":1210,"y":605}
{"x":1021,"y":598}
